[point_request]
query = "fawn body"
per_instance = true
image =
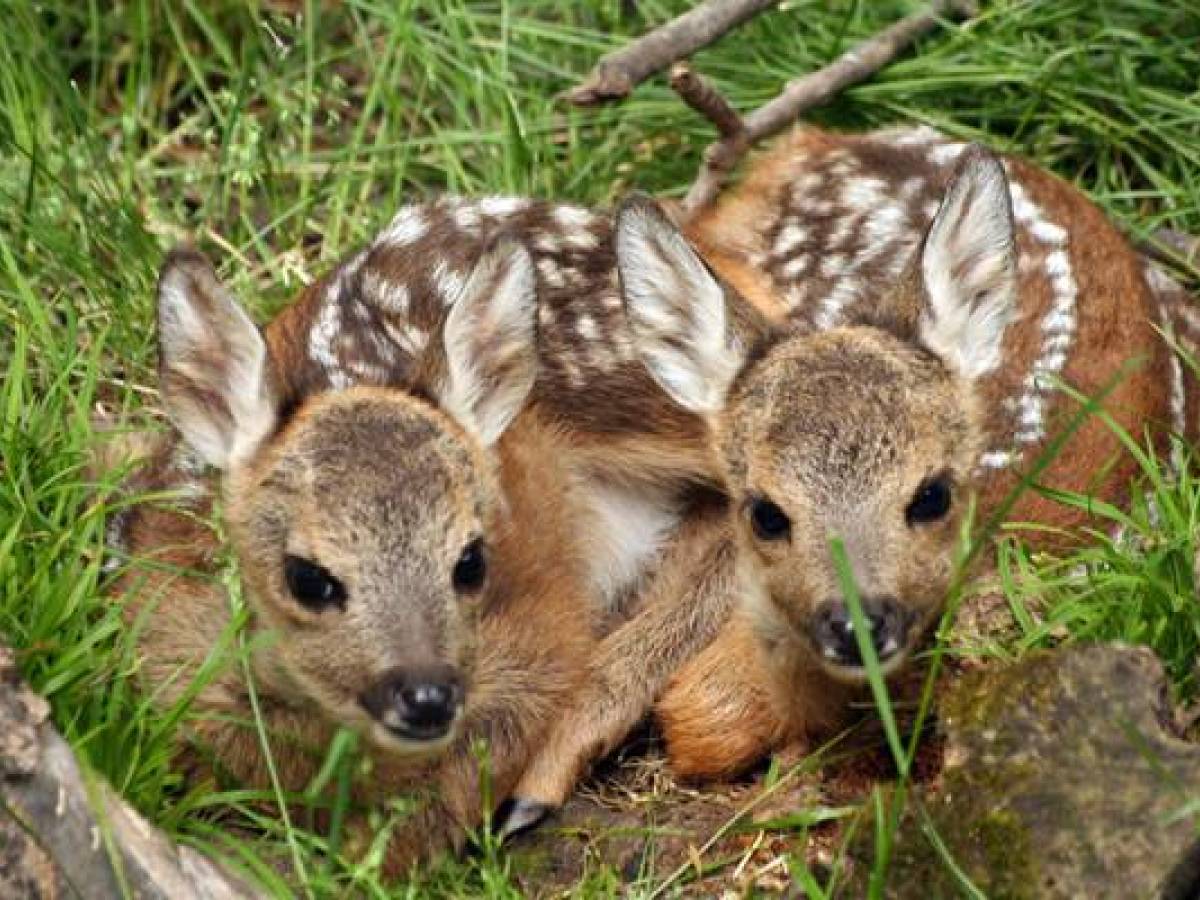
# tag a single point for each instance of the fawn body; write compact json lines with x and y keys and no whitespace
{"x":918,"y":324}
{"x":842,"y":402}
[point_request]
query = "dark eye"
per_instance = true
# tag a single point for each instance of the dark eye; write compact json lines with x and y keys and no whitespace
{"x":770,"y":523}
{"x":930,"y":503}
{"x":312,"y":584}
{"x":471,"y":568}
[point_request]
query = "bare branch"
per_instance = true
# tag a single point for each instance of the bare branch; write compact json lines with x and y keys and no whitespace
{"x":856,"y":65}
{"x":618,"y":73}
{"x":702,"y":95}
{"x":63,"y":833}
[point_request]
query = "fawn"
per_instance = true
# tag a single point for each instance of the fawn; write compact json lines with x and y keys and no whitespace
{"x":868,"y":346}
{"x":406,"y":550}
{"x":911,"y":363}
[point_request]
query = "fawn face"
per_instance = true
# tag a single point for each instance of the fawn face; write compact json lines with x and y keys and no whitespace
{"x":362,"y":519}
{"x":866,"y":433}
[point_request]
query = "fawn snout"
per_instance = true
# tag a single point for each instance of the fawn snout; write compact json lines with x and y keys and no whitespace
{"x":419,"y":703}
{"x":833,"y":631}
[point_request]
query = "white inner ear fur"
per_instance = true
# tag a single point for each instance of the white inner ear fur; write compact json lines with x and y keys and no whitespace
{"x":215,"y":372}
{"x":969,"y":270}
{"x":676,"y":310}
{"x":489,"y":342}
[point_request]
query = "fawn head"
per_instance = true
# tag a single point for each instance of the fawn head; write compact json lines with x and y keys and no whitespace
{"x":360,"y":518}
{"x":866,"y":433}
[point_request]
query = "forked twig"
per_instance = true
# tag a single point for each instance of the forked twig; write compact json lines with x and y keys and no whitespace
{"x":857,"y":64}
{"x":618,"y":73}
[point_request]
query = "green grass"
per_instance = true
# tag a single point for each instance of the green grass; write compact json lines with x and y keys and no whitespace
{"x":277,"y":135}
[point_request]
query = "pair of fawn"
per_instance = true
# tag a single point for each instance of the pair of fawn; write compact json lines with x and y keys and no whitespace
{"x":519,"y":472}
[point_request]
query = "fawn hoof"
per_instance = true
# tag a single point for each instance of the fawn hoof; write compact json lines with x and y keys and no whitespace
{"x":516,"y":816}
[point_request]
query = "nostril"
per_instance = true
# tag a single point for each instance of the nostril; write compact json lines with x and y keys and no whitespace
{"x":888,"y":626}
{"x":427,"y":705}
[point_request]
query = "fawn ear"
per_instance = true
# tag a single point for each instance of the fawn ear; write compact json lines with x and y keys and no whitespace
{"x":214,"y":371}
{"x":677,"y":310}
{"x":488,"y":343}
{"x":968,"y":268}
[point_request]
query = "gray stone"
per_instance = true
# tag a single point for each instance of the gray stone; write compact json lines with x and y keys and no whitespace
{"x":1063,"y":778}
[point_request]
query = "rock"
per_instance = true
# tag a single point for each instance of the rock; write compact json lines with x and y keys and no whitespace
{"x":1062,"y":778}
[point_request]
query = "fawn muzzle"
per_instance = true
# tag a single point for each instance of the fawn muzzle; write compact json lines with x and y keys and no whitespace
{"x":418,"y":704}
{"x":833,"y":632}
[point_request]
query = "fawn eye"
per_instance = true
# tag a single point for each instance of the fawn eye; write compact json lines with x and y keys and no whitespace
{"x":471,"y":568}
{"x":313,"y":585}
{"x":770,"y":523}
{"x":931,"y":501}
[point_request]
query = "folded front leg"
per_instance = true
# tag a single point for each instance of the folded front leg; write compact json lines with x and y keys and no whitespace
{"x":682,"y":608}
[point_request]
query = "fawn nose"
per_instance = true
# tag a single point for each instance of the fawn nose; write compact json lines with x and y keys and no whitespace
{"x":833,"y":630}
{"x":417,"y":704}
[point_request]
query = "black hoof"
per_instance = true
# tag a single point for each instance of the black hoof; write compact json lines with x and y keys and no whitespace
{"x":516,"y":816}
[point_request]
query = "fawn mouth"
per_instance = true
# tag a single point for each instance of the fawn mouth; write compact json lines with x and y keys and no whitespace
{"x":853,"y":672}
{"x":407,"y":737}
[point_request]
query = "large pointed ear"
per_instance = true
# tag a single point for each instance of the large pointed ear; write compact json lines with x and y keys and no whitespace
{"x":968,"y":268}
{"x":681,"y":322}
{"x":214,"y":371}
{"x":486,"y":363}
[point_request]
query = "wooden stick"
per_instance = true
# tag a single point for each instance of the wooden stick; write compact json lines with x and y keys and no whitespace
{"x":702,"y":96}
{"x":621,"y":71}
{"x":802,"y":94}
{"x":63,"y":833}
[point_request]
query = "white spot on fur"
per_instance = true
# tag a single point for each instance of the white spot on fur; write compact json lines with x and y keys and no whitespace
{"x":832,"y":265}
{"x":573,"y":218}
{"x":408,"y":226}
{"x":324,"y":333}
{"x":864,"y":194}
{"x":881,"y":228}
{"x":586,"y":326}
{"x":547,"y":242}
{"x":944,"y":154}
{"x":581,"y":240}
{"x":501,"y":207}
{"x":550,"y":273}
{"x":996,"y":459}
{"x":906,"y":136}
{"x":468,"y":218}
{"x":1048,"y":233}
{"x":407,"y":337}
{"x":791,"y":236}
{"x":448,"y":283}
{"x":385,"y":294}
{"x":796,"y":267}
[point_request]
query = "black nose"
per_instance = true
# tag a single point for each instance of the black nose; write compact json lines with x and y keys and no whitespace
{"x":418,"y":704}
{"x":833,"y":630}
